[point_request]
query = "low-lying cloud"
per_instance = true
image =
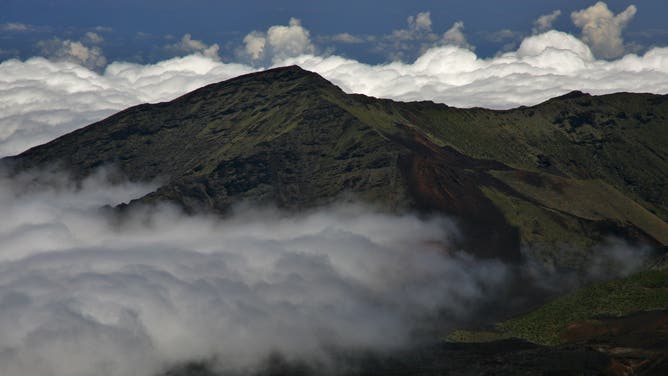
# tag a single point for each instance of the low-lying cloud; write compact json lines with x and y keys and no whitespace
{"x":83,"y":291}
{"x":87,"y":290}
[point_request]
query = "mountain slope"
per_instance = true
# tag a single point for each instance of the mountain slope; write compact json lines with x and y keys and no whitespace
{"x":565,"y":173}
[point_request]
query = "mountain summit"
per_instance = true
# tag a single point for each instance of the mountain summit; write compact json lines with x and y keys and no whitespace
{"x":572,"y":170}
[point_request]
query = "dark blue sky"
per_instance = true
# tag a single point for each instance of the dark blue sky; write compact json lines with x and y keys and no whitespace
{"x":226,"y":22}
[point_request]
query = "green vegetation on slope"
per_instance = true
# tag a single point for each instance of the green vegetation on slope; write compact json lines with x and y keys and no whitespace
{"x":592,"y":200}
{"x":645,"y":291}
{"x":549,"y":324}
{"x":618,"y":138}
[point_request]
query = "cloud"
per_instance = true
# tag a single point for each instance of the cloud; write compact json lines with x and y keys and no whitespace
{"x":105,"y":295}
{"x":544,"y":66}
{"x":418,"y":37}
{"x":503,"y":35}
{"x":612,"y":258}
{"x":421,"y":23}
{"x":400,"y":45}
{"x":455,"y":36}
{"x":93,"y":38}
{"x":415,"y":38}
{"x":544,"y":22}
{"x":188,"y":45}
{"x":551,"y":42}
{"x":255,"y":43}
{"x":87,"y":291}
{"x":602,"y":30}
{"x":77,"y":52}
{"x":347,"y":38}
{"x":279,"y":42}
{"x":103,"y":29}
{"x":419,"y":27}
{"x":292,"y":40}
{"x":15,"y":27}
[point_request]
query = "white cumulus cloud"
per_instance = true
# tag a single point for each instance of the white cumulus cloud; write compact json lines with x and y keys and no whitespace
{"x":93,"y":38}
{"x":279,"y":42}
{"x":347,"y":38}
{"x":15,"y":27}
{"x":255,"y":43}
{"x":455,"y":36}
{"x":420,"y":22}
{"x":602,"y":29}
{"x":544,"y":66}
{"x":544,"y":22}
{"x":416,"y":37}
{"x":58,"y":49}
{"x":189,"y":45}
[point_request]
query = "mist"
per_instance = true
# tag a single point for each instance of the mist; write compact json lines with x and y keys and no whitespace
{"x":84,"y":290}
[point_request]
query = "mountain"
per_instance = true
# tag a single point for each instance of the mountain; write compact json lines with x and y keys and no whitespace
{"x":564,"y":174}
{"x":550,"y":182}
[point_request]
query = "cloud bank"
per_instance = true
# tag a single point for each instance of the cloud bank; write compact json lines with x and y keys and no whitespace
{"x":84,"y":292}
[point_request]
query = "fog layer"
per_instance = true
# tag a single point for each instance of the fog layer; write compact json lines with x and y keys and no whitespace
{"x":84,"y":291}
